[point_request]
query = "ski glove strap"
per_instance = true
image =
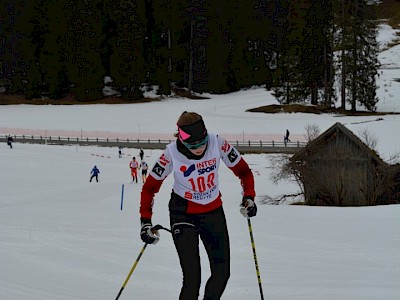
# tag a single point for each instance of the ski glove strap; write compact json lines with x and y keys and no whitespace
{"x":148,"y":235}
{"x":248,"y":208}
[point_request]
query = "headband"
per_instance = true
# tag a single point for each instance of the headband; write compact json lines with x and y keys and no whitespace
{"x":193,"y":132}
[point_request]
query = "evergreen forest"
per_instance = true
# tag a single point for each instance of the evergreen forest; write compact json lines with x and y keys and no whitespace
{"x":316,"y":52}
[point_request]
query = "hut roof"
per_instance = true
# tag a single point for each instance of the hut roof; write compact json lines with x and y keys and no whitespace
{"x":333,"y":130}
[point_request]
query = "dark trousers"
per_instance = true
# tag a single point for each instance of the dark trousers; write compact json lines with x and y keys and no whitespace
{"x":94,"y":176}
{"x":212,"y":230}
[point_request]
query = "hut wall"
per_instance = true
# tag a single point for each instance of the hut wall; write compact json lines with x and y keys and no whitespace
{"x":337,"y":173}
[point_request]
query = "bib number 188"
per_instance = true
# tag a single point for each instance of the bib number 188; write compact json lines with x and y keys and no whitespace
{"x":201,"y":183}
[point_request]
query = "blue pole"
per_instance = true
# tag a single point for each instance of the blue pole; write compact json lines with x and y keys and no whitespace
{"x":122,"y":196}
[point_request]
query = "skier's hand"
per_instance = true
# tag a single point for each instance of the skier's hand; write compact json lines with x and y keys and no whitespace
{"x":248,"y":208}
{"x":148,"y":234}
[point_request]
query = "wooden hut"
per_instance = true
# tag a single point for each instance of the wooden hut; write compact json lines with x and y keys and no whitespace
{"x":338,"y":169}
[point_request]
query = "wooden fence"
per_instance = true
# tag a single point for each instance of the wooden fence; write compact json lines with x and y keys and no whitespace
{"x":242,"y":146}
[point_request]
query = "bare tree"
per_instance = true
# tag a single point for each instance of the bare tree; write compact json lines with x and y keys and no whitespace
{"x":312,"y":132}
{"x":394,"y":158}
{"x":368,"y":138}
{"x":282,"y":171}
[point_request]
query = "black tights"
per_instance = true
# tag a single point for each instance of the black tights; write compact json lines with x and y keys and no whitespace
{"x":212,"y":230}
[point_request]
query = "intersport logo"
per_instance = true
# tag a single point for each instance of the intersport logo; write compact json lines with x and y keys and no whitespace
{"x":187,"y":171}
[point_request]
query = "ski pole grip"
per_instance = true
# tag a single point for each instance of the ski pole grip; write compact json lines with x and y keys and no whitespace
{"x":158,"y":227}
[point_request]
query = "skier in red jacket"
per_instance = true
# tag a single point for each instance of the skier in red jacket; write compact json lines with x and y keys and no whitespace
{"x":134,"y":165}
{"x":195,"y":206}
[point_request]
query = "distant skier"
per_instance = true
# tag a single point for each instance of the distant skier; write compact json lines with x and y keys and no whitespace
{"x":134,"y":165}
{"x":10,"y":140}
{"x":119,"y":151}
{"x":141,"y":154}
{"x":286,"y":138}
{"x":95,"y":174}
{"x":144,"y":167}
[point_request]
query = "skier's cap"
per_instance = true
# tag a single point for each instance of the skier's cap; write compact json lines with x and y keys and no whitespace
{"x":192,"y":133}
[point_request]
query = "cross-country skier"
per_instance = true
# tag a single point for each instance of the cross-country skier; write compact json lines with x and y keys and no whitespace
{"x":95,"y":174}
{"x":10,"y":140}
{"x":195,"y":206}
{"x":134,"y":165}
{"x":144,"y":167}
{"x":141,"y":154}
{"x":286,"y":138}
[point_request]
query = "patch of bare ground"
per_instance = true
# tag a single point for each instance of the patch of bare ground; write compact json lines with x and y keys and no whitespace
{"x":185,"y":93}
{"x":7,"y":99}
{"x":14,"y":99}
{"x":312,"y":109}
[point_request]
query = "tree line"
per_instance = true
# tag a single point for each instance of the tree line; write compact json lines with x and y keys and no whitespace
{"x":311,"y":51}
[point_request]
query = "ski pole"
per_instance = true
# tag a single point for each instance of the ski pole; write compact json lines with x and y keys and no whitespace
{"x":155,"y":228}
{"x":131,"y":271}
{"x":255,"y":258}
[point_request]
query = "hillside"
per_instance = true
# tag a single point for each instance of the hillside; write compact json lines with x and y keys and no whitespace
{"x":389,"y":10}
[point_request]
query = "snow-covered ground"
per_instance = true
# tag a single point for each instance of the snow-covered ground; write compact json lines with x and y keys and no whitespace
{"x":64,"y":238}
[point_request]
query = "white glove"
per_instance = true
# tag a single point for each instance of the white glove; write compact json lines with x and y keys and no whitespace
{"x":248,"y":208}
{"x":148,"y":235}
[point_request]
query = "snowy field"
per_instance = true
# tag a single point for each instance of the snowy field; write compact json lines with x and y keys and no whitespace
{"x":64,"y":238}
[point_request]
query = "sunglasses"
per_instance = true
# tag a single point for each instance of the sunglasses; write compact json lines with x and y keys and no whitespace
{"x":197,"y":145}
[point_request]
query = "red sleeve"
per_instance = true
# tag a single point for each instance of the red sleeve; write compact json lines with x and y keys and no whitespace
{"x":242,"y":170}
{"x":149,"y":189}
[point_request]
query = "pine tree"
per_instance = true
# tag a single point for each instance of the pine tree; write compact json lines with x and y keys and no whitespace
{"x":252,"y":37}
{"x":127,"y":67}
{"x":315,"y":48}
{"x":359,"y":52}
{"x":304,"y":70}
{"x":365,"y":58}
{"x":167,"y":22}
{"x":53,"y":59}
{"x":12,"y":64}
{"x":289,"y":81}
{"x":83,"y":54}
